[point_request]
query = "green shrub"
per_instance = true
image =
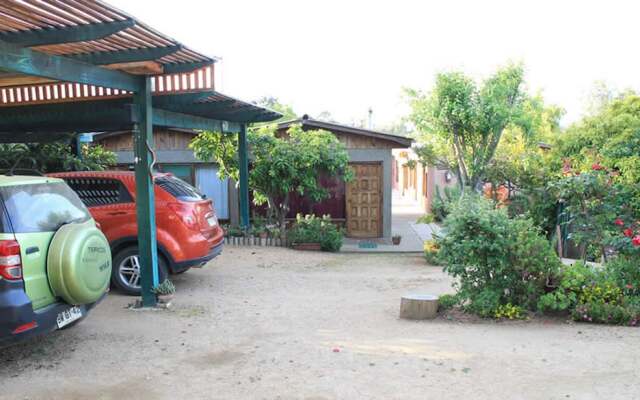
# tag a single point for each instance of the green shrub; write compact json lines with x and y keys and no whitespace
{"x":165,"y":288}
{"x":495,"y":260}
{"x":572,"y":280}
{"x":442,"y":203}
{"x":447,"y":301}
{"x":426,"y":219}
{"x":591,"y":294}
{"x":509,"y":311}
{"x":312,"y":229}
{"x":431,"y":251}
{"x":625,"y":271}
{"x":607,"y":313}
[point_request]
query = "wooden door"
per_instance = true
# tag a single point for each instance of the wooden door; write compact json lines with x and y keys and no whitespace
{"x":364,"y":201}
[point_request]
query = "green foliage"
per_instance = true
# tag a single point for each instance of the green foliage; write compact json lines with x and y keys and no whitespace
{"x":447,"y":301}
{"x":592,"y":294}
{"x":495,"y":260}
{"x":431,"y":251}
{"x":592,"y":203}
{"x":467,"y":121}
{"x":312,"y":229}
{"x":607,"y":313}
{"x":443,"y":201}
{"x":165,"y":288}
{"x":55,"y":157}
{"x":610,"y":137}
{"x":274,"y":104}
{"x":509,"y":311}
{"x":426,"y":219}
{"x":279,"y":166}
{"x":625,"y":271}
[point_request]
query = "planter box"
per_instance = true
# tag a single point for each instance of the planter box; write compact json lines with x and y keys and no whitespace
{"x":307,"y":246}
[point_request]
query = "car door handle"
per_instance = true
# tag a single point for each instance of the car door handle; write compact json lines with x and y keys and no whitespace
{"x":31,"y":250}
{"x":117,"y":213}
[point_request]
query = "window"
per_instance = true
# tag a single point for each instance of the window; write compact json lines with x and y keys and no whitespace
{"x":99,"y":191}
{"x":178,"y":188}
{"x":42,"y":207}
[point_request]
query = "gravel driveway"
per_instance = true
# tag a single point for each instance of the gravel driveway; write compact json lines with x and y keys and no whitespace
{"x":267,"y":323}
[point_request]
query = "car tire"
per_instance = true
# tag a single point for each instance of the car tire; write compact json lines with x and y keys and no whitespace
{"x":126,"y":274}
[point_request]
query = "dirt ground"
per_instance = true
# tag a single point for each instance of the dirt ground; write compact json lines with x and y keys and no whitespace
{"x":276,"y":324}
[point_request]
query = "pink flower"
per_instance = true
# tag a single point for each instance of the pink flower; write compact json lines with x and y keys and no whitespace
{"x":636,"y":240}
{"x":596,"y":167}
{"x":629,"y":286}
{"x":628,"y":232}
{"x":619,"y":222}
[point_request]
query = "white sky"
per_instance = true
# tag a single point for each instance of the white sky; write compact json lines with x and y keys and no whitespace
{"x":344,"y":56}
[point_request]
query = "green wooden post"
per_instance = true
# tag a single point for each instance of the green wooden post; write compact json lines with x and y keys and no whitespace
{"x":145,"y":199}
{"x":243,"y":194}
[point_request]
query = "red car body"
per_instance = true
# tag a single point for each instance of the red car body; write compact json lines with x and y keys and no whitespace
{"x":187,"y":231}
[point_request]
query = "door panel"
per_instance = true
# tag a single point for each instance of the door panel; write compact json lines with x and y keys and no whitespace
{"x":364,"y":200}
{"x":208,"y":182}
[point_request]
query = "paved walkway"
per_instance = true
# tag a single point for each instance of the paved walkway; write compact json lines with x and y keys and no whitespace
{"x":405,"y":214}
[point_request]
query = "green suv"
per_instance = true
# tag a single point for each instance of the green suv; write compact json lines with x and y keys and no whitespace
{"x":55,"y":264}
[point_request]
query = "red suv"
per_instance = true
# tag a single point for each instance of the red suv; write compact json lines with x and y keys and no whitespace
{"x":187,"y":227}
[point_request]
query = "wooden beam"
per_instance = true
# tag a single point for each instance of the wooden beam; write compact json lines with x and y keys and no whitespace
{"x":186,"y":121}
{"x":138,"y":67}
{"x":186,"y":67}
{"x":67,"y":117}
{"x":20,"y":80}
{"x":125,"y":56}
{"x":78,"y":33}
{"x":29,"y":62}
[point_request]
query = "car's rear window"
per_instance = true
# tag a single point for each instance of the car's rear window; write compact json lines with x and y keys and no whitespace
{"x":42,"y":207}
{"x":178,"y":188}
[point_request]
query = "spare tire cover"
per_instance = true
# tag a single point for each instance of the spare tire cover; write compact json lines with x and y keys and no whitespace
{"x":79,"y":263}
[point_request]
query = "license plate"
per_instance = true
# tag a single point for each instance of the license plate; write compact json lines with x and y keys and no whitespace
{"x":68,"y":316}
{"x":212,"y":221}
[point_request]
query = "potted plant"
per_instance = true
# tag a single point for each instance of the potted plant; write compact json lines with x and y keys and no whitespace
{"x":396,"y":239}
{"x":315,"y":233}
{"x":165,"y":292}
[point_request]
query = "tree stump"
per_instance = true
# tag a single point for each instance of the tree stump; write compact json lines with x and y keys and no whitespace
{"x":418,"y":306}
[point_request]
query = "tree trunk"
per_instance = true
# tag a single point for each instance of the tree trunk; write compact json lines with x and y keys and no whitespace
{"x":418,"y":307}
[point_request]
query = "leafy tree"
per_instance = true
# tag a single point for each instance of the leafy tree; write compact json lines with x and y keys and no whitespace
{"x":54,"y":157}
{"x":467,"y":121}
{"x":274,"y":104}
{"x":279,"y":165}
{"x":610,"y":137}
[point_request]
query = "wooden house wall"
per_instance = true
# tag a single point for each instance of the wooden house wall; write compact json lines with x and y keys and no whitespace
{"x":163,"y":140}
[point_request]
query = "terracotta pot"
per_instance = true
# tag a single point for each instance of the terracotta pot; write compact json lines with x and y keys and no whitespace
{"x":307,"y":246}
{"x":264,"y":235}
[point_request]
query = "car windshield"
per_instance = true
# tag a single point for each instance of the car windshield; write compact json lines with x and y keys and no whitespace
{"x":42,"y":207}
{"x":178,"y":188}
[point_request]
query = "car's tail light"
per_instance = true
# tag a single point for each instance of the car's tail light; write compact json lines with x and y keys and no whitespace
{"x":25,"y":327}
{"x":10,"y":261}
{"x":186,"y":214}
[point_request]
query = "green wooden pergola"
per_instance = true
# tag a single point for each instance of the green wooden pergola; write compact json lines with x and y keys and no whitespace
{"x":74,"y":66}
